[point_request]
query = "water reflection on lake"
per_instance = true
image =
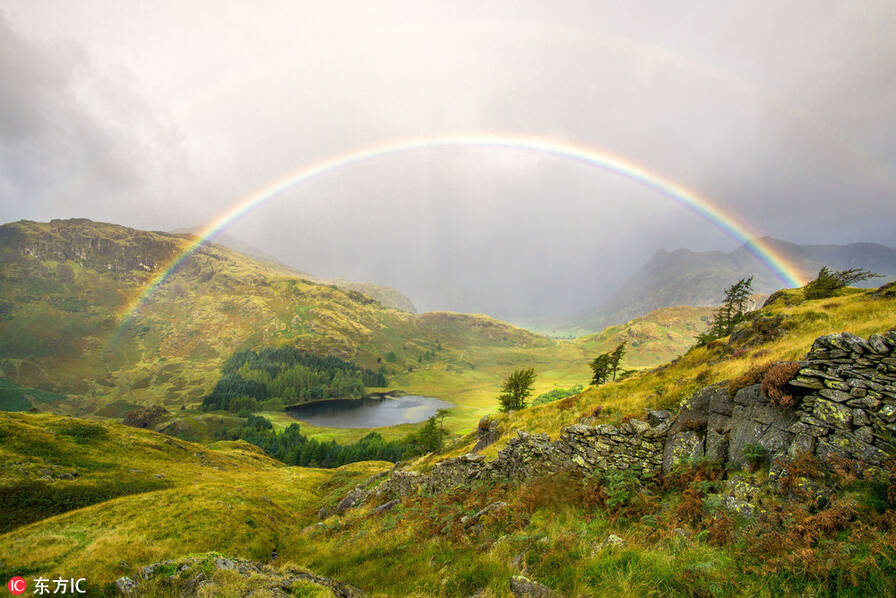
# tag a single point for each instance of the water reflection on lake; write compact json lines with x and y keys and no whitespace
{"x":369,"y":412}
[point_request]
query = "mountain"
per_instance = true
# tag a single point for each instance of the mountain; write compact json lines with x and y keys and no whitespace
{"x":384,"y":294}
{"x":684,"y":277}
{"x":67,"y":284}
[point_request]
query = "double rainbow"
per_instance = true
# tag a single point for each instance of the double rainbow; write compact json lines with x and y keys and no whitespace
{"x":590,"y":156}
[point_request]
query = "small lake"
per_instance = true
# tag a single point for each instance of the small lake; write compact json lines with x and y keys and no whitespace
{"x":368,"y":412}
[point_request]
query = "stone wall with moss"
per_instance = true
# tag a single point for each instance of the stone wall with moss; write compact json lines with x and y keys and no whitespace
{"x":841,"y":401}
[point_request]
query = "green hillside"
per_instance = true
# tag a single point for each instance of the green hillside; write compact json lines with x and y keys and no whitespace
{"x":67,"y":284}
{"x":141,"y":497}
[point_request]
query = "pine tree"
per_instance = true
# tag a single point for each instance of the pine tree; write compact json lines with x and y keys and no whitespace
{"x":601,"y":368}
{"x":730,"y":313}
{"x":616,"y":357}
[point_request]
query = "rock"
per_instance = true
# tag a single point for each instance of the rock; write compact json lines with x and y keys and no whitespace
{"x":487,"y":432}
{"x":387,"y":506}
{"x":326,"y":512}
{"x":639,"y":426}
{"x":611,"y":540}
{"x":847,"y":445}
{"x":355,"y":497}
{"x":835,"y":395}
{"x":887,"y":413}
{"x":802,"y":444}
{"x":472,"y":519}
{"x":684,"y":446}
{"x":522,"y":587}
{"x":656,"y":417}
{"x":145,"y":417}
{"x":860,"y":418}
{"x":887,"y":290}
{"x":876,"y":341}
{"x":716,"y":446}
{"x":125,"y":586}
{"x":833,"y":414}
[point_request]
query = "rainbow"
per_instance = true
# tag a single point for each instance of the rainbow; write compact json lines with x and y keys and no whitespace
{"x":586,"y":155}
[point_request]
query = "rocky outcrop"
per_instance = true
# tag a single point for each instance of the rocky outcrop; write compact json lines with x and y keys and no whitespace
{"x":522,"y":587}
{"x":845,"y":405}
{"x":487,"y":433}
{"x":145,"y":417}
{"x":95,"y":245}
{"x":200,"y":576}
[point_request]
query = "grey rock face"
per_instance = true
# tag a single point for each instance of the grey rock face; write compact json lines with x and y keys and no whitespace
{"x":522,"y":587}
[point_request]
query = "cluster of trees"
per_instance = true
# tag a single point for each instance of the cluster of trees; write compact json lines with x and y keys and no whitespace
{"x":289,"y":374}
{"x":557,"y":394}
{"x":606,"y":365}
{"x":294,"y":448}
{"x":730,"y":313}
{"x":518,"y":386}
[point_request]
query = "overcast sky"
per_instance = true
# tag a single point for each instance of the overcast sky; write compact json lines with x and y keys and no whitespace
{"x":160,"y":116}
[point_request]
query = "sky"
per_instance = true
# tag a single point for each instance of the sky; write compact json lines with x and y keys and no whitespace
{"x":162,"y":115}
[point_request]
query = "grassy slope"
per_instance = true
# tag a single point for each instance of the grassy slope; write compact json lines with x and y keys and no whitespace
{"x":175,"y":498}
{"x":551,"y":532}
{"x":854,"y":310}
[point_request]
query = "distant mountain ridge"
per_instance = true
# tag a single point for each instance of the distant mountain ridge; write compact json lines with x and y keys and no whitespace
{"x":697,"y":278}
{"x":385,"y":295}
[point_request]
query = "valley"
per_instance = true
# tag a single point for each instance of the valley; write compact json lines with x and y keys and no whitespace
{"x":68,"y":285}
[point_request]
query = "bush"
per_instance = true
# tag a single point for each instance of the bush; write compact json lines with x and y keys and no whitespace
{"x":774,"y":383}
{"x":754,"y":454}
{"x":830,"y":281}
{"x":752,"y":376}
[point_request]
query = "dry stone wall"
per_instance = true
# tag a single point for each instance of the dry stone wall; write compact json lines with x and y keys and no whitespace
{"x":846,"y":391}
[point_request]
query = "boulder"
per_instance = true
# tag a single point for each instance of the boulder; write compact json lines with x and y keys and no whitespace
{"x":611,"y":540}
{"x":125,"y":586}
{"x":522,"y":587}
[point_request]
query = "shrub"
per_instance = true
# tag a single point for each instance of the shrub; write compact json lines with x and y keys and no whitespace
{"x":754,"y":454}
{"x":774,"y":383}
{"x":830,"y":281}
{"x":619,"y":486}
{"x":690,"y":509}
{"x":749,"y":378}
{"x":720,"y":530}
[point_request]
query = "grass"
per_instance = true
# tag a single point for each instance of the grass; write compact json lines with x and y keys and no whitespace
{"x":230,"y":498}
{"x":146,"y":498}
